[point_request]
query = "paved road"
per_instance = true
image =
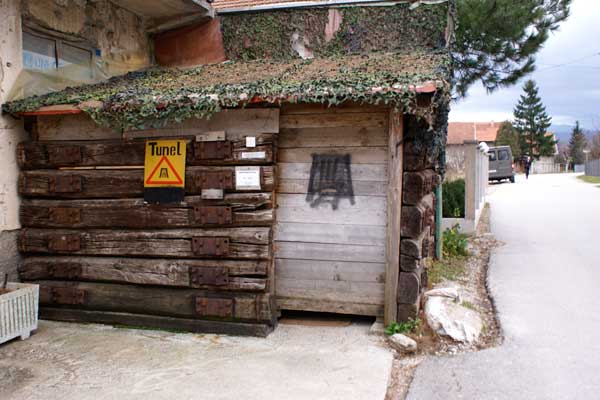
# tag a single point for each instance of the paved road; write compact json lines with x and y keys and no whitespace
{"x":546,"y":284}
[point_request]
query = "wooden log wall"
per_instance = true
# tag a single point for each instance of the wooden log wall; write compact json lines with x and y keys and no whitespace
{"x":417,"y":227}
{"x":332,"y":259}
{"x":101,"y":254}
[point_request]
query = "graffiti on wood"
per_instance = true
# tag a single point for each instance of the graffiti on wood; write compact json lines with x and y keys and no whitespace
{"x":330,"y":180}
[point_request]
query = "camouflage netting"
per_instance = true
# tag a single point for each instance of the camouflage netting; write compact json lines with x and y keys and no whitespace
{"x":362,"y":30}
{"x":158,"y":96}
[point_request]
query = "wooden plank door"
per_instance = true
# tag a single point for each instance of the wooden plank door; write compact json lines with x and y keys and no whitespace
{"x":330,"y":246}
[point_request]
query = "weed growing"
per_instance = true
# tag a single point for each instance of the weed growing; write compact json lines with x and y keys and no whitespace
{"x":412,"y":325}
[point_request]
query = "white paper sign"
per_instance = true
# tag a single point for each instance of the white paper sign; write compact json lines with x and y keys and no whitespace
{"x":250,"y":141}
{"x":248,"y":155}
{"x":247,"y":178}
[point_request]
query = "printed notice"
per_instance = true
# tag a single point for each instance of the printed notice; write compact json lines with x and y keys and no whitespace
{"x":256,"y":155}
{"x":247,"y":178}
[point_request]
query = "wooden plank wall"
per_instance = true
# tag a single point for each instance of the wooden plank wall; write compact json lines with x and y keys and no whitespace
{"x":101,"y":254}
{"x":332,"y":260}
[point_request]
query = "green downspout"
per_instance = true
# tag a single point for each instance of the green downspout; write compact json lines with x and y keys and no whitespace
{"x":438,"y":221}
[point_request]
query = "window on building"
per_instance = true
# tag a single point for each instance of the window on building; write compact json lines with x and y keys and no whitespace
{"x":503,"y":155}
{"x":43,"y":53}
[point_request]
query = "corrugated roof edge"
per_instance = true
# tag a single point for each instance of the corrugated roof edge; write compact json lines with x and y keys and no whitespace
{"x":315,"y":4}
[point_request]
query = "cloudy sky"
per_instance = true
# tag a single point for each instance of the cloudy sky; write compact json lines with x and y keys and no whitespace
{"x":568,"y":75}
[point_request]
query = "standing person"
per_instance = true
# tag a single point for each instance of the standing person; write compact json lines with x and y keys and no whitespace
{"x":527,"y":166}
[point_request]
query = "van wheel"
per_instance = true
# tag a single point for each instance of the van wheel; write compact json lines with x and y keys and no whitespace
{"x":512,"y":179}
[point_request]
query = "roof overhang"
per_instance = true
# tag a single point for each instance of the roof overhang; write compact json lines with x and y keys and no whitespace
{"x":169,"y":14}
{"x":242,"y":6}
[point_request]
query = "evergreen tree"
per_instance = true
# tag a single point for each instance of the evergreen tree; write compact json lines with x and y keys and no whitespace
{"x":509,"y":136}
{"x":532,"y":123}
{"x":497,"y":40}
{"x":577,"y":144}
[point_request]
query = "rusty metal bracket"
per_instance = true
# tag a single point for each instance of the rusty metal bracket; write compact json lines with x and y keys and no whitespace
{"x":214,"y":307}
{"x":64,"y":270}
{"x":64,"y":215}
{"x":64,"y":155}
{"x":66,"y":184}
{"x":210,"y":246}
{"x":212,"y":215}
{"x":212,"y":276}
{"x":214,"y":180}
{"x":63,"y":295}
{"x":68,"y":242}
{"x":219,"y":150}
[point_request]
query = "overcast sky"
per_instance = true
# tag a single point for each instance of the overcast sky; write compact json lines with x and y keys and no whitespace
{"x":570,"y":92}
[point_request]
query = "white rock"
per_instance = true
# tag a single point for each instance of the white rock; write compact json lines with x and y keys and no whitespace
{"x":403,"y":343}
{"x":447,"y":318}
{"x":448,"y":292}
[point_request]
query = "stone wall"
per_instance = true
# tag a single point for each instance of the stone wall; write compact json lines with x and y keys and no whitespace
{"x":11,"y":133}
{"x":418,"y":221}
{"x":119,"y":34}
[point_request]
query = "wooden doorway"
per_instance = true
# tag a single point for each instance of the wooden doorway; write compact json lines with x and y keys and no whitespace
{"x":330,"y":235}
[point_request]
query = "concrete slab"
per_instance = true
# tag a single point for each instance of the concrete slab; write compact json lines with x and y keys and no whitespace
{"x":73,"y":361}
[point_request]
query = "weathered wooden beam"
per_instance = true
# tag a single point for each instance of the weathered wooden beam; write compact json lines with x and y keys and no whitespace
{"x":42,"y":155}
{"x":184,"y":303}
{"x":157,"y":322}
{"x":247,"y":121}
{"x":235,"y":275}
{"x":81,"y":184}
{"x":352,"y":306}
{"x":241,"y":243}
{"x":346,"y":136}
{"x":236,"y":209}
{"x":364,"y":119}
{"x":392,"y":268}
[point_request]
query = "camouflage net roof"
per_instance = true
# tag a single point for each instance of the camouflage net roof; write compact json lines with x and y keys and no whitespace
{"x":157,"y":96}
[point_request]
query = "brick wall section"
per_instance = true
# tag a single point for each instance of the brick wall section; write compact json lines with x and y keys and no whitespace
{"x":417,"y":227}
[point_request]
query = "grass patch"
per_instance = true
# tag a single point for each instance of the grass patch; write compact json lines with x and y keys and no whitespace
{"x":589,"y":179}
{"x":469,"y":305}
{"x":449,"y":269}
{"x":412,"y":325}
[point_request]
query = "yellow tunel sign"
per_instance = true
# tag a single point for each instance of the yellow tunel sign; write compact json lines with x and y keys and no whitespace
{"x":164,"y":171}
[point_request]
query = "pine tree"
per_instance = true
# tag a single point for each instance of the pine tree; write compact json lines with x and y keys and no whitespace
{"x":532,"y":123}
{"x":497,"y":40}
{"x":577,"y":144}
{"x":509,"y":136}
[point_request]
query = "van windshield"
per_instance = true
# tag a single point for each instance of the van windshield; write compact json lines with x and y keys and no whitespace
{"x":503,"y":155}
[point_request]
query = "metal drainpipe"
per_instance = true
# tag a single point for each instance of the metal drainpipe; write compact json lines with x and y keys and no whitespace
{"x":438,"y":222}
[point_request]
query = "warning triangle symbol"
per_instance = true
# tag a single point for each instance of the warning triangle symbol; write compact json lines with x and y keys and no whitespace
{"x":164,"y":174}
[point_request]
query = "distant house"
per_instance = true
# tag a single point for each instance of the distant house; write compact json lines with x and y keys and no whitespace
{"x":458,"y":133}
{"x":548,"y":164}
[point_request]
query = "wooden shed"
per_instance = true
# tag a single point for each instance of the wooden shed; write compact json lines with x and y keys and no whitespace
{"x":308,"y":186}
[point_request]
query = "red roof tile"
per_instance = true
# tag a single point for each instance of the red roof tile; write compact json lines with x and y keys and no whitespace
{"x":458,"y":132}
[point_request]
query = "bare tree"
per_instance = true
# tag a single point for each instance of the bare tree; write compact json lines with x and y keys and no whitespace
{"x":595,"y":147}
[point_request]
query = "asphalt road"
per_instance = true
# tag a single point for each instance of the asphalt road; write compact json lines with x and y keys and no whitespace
{"x":546,"y":285}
